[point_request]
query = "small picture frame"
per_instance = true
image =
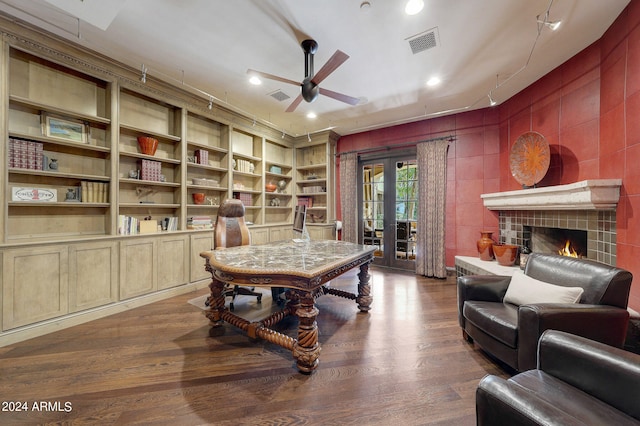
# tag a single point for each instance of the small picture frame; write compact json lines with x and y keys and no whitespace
{"x":65,"y":129}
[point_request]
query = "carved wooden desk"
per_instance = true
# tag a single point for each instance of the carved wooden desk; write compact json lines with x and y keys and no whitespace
{"x":303,"y":268}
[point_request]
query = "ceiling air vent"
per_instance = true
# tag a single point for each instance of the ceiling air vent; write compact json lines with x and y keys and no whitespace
{"x":279,"y":95}
{"x":423,"y":41}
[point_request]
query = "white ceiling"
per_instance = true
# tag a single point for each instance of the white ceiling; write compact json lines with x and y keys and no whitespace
{"x":208,"y":45}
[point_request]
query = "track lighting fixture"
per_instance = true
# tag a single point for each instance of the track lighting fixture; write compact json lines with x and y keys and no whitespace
{"x":143,"y":76}
{"x":492,"y":102}
{"x":309,"y":137}
{"x":210,"y":106}
{"x":552,"y":25}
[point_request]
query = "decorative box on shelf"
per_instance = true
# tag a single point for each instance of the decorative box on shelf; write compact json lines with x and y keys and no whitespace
{"x":245,"y":197}
{"x":275,"y":169}
{"x":150,"y":170}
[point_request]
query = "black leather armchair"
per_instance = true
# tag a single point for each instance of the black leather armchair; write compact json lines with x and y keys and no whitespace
{"x":511,"y":333}
{"x":578,"y":382}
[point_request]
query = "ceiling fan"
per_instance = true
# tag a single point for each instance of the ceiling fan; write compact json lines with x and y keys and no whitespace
{"x":310,"y":84}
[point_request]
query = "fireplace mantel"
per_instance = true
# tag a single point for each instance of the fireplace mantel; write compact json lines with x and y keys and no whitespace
{"x":594,"y":194}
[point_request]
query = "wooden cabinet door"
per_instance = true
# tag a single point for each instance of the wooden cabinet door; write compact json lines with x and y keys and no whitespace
{"x":280,"y":233}
{"x":200,"y":242}
{"x":173,"y":261}
{"x":138,"y":267}
{"x":93,"y":275}
{"x":35,"y":285}
{"x":259,"y":235}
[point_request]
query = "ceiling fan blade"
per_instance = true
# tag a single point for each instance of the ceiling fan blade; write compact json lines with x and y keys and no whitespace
{"x":272,"y":77}
{"x":294,"y":104}
{"x":334,"y":62}
{"x":339,"y":96}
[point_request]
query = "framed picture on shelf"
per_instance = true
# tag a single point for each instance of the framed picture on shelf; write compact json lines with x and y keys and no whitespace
{"x":65,"y":129}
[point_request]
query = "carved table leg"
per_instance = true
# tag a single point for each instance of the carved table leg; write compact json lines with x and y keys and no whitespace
{"x":306,"y":350}
{"x":364,"y":298}
{"x":216,"y":302}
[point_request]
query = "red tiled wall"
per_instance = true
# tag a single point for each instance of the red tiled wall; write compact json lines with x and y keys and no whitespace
{"x":588,"y":109}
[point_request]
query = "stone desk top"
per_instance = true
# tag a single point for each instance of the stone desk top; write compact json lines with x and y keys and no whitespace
{"x":309,"y":260}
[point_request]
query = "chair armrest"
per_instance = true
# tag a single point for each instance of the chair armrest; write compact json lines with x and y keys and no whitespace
{"x":486,"y":288}
{"x":606,"y":324}
{"x":500,"y":402}
{"x":607,"y":373}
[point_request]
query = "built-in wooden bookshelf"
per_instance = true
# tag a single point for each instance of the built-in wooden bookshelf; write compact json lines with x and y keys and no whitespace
{"x":65,"y":258}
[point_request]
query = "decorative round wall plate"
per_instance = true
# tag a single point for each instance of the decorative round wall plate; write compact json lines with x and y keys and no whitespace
{"x":529,"y":158}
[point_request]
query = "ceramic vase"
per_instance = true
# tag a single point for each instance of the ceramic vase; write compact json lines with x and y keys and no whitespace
{"x":505,"y":254}
{"x":147,"y":145}
{"x":485,"y":245}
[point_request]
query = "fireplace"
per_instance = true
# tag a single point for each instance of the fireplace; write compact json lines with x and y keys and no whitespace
{"x":568,"y":242}
{"x":545,"y":218}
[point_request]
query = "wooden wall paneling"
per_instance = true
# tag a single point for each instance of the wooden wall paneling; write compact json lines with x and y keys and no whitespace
{"x":93,"y":275}
{"x":35,"y":284}
{"x":201,"y":241}
{"x":173,"y":260}
{"x":138,"y":266}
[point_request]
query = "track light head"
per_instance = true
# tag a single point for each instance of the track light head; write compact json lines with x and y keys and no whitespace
{"x":492,"y":102}
{"x":552,"y":25}
{"x":210,"y":106}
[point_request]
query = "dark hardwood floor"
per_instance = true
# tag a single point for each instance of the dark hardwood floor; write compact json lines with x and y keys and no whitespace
{"x":403,"y":363}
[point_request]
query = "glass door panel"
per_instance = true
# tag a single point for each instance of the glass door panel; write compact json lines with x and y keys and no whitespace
{"x":373,"y":206}
{"x":389,"y":210}
{"x":406,"y":188}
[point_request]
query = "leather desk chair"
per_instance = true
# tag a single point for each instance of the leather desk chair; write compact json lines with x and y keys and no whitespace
{"x":231,"y":231}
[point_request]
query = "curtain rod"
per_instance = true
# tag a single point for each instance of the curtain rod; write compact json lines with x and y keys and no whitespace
{"x":451,"y":138}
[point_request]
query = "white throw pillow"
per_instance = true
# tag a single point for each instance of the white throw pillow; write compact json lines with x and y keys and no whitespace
{"x":525,"y":290}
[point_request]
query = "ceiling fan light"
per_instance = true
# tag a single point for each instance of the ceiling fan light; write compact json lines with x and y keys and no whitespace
{"x":255,"y":80}
{"x":413,"y":7}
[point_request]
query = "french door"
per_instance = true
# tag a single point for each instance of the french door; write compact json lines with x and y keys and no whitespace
{"x":388,"y":208}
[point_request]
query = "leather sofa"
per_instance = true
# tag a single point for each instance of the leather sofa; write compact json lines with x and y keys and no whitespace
{"x":511,"y":332}
{"x":577,"y":382}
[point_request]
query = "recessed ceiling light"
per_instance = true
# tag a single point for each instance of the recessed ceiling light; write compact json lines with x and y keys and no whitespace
{"x":255,"y":81}
{"x":311,"y":115}
{"x":433,"y":81}
{"x":413,"y":7}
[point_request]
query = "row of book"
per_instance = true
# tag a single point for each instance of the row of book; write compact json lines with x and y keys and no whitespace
{"x":130,"y":225}
{"x":202,"y":156}
{"x":199,"y":222}
{"x":90,"y":192}
{"x":25,"y":154}
{"x":244,"y":166}
{"x":305,"y":201}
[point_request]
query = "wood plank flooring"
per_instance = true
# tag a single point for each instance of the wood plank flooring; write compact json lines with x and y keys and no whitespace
{"x":403,"y":363}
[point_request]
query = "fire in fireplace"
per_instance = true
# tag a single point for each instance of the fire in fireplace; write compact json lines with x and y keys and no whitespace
{"x":567,"y":242}
{"x":568,"y":250}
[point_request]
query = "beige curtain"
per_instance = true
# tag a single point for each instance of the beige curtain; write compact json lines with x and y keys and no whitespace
{"x":430,"y":242}
{"x":348,"y":199}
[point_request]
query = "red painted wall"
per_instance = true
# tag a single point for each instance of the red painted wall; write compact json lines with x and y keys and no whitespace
{"x":589,"y":110}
